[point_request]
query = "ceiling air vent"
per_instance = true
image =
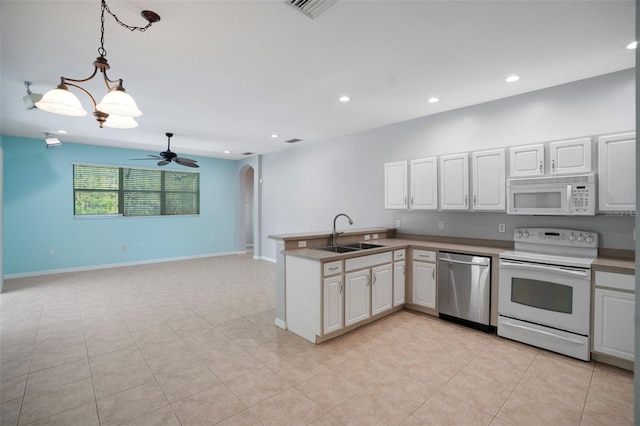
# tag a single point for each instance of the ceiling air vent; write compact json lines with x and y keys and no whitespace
{"x":311,"y":8}
{"x":248,"y":153}
{"x":294,"y":140}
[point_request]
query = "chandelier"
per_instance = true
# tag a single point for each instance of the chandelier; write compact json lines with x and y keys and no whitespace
{"x":117,"y":108}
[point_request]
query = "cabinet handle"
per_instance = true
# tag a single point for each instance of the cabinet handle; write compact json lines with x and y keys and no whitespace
{"x":475,"y":200}
{"x":333,"y":268}
{"x":466,"y":199}
{"x":553,"y":165}
{"x":405,"y":200}
{"x":412,"y":200}
{"x":540,"y":167}
{"x":340,"y":287}
{"x":368,"y":280}
{"x":433,"y":274}
{"x":374,"y":279}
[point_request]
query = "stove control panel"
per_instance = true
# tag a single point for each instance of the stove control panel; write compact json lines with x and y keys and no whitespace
{"x":557,"y":237}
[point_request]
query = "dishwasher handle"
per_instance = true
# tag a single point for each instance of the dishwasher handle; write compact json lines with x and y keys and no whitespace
{"x":460,"y":262}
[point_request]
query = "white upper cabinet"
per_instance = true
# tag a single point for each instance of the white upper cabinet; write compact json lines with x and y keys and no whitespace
{"x":424,"y":184}
{"x":454,"y":182}
{"x":617,"y":172}
{"x":395,"y":185}
{"x":526,"y":161}
{"x":572,"y":156}
{"x":488,"y":180}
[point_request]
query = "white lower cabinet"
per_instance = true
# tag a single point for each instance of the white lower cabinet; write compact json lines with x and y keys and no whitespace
{"x":424,"y":279}
{"x":613,"y":316}
{"x":398,"y":282}
{"x":357,"y":296}
{"x":333,"y":308}
{"x":381,"y":289}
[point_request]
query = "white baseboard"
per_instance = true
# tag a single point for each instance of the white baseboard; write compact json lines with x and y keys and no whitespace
{"x":281,"y":324}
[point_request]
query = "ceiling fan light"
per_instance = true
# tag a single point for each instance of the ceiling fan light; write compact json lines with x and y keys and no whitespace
{"x":61,"y":101}
{"x":119,"y":102}
{"x":120,"y":122}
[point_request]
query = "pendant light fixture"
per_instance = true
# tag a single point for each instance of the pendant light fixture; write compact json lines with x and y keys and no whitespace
{"x":117,"y":109}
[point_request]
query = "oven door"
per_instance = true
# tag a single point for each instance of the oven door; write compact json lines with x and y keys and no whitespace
{"x":551,"y":295}
{"x":540,"y":200}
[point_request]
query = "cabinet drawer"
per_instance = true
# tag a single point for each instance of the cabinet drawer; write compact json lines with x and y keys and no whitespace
{"x":424,"y":255}
{"x":617,"y":281}
{"x":367,"y":261}
{"x":332,"y":268}
{"x":398,"y":255}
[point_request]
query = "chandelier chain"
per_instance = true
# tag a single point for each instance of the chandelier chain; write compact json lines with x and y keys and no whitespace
{"x":104,"y":8}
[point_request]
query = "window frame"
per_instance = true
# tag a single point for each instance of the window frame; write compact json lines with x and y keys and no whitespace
{"x":121,"y":191}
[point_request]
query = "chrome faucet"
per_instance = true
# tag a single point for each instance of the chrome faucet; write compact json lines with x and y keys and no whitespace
{"x":335,"y":233}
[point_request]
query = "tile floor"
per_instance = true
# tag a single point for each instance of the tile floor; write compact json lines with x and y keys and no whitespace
{"x":193,"y":343}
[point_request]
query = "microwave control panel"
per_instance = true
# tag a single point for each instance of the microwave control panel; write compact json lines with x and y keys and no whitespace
{"x":583,"y":200}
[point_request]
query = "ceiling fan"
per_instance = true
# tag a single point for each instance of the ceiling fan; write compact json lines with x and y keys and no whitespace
{"x":168,"y":156}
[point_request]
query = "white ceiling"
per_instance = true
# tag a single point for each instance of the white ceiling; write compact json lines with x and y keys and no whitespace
{"x":225,"y":75}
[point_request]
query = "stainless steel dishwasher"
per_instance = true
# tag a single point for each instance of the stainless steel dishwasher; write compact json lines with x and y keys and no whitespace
{"x":464,"y":289}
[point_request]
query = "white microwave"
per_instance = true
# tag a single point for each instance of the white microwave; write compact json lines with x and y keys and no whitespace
{"x":573,"y":195}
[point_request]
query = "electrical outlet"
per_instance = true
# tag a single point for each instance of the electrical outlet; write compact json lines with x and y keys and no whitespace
{"x":367,"y":237}
{"x":302,"y":244}
{"x":501,"y":227}
{"x":397,"y":223}
{"x":124,"y":247}
{"x":441,"y":225}
{"x":375,"y":236}
{"x":142,"y":246}
{"x":51,"y":253}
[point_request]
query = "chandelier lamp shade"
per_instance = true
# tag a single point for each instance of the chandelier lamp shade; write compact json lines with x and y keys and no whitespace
{"x":117,"y":109}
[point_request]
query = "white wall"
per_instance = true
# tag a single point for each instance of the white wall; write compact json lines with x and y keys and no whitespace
{"x":305,"y":187}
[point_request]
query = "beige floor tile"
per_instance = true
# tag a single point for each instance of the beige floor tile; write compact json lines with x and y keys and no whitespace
{"x":11,"y":352}
{"x":47,"y":359}
{"x":297,"y":368}
{"x":57,"y":376}
{"x":9,"y":412}
{"x":14,"y":367}
{"x":157,"y":341}
{"x":244,"y":418}
{"x":289,"y":407}
{"x":182,"y":374}
{"x":257,"y":386}
{"x":519,"y":410}
{"x":234,"y":365}
{"x":367,"y":408}
{"x":443,"y":409}
{"x":509,"y":352}
{"x":85,"y":415}
{"x":413,"y":421}
{"x":492,"y":370}
{"x":598,"y":411}
{"x":12,"y":388}
{"x":52,"y":401}
{"x":480,"y":393}
{"x":116,"y":360}
{"x":328,"y":390}
{"x":208,"y":407}
{"x":130,"y":404}
{"x":613,"y":384}
{"x":161,"y":417}
{"x":326,"y":420}
{"x":111,"y":382}
{"x":402,"y":391}
{"x":102,"y":345}
{"x":363,"y":371}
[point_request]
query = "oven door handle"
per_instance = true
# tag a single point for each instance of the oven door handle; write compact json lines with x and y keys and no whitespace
{"x":510,"y":264}
{"x":546,"y":333}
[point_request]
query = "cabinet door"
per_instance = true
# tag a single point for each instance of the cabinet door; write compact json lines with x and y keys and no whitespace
{"x":424,"y":284}
{"x":424,"y":184}
{"x":488,"y":180}
{"x":526,"y":160}
{"x":357,"y":297}
{"x":333,"y":309}
{"x":398,"y":283}
{"x":572,"y":156}
{"x":381,"y":289}
{"x":395,"y":185}
{"x":613,"y":324}
{"x":617,"y":172}
{"x":454,"y":182}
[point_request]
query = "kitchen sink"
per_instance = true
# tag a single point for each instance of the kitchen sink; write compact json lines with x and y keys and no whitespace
{"x":362,"y":246}
{"x":347,"y":248}
{"x":337,"y":249}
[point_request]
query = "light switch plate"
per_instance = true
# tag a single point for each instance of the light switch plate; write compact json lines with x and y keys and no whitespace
{"x":501,"y":227}
{"x":367,"y":237}
{"x":302,"y":244}
{"x":441,"y":225}
{"x":397,"y":223}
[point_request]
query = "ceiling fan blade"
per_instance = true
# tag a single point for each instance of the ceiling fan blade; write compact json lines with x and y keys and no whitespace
{"x":163,"y":163}
{"x":152,"y":157}
{"x":186,"y":162}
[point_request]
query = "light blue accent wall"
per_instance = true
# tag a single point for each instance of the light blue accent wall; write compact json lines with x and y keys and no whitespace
{"x":38,"y":212}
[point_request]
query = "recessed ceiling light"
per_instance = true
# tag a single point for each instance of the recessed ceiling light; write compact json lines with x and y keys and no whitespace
{"x":632,"y":45}
{"x":227,"y":152}
{"x":344,"y":98}
{"x":512,"y":78}
{"x":273,"y":135}
{"x":62,"y":132}
{"x":433,"y":100}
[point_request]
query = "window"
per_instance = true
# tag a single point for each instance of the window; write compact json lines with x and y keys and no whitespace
{"x":104,"y":190}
